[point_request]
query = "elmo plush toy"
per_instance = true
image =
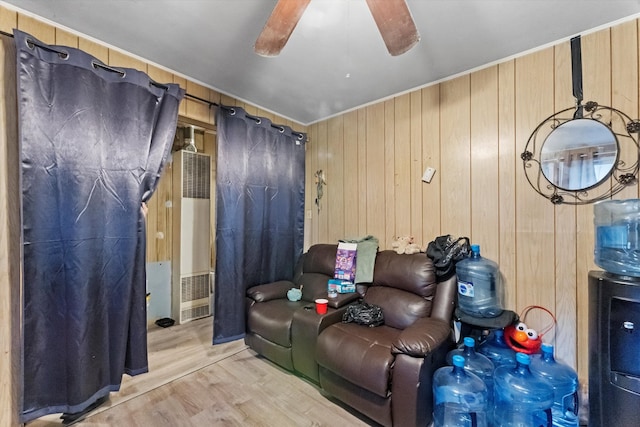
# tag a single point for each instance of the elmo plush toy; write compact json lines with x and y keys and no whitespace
{"x":523,"y":339}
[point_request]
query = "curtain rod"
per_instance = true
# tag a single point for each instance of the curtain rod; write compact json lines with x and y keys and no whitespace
{"x":188,"y":95}
{"x":254,"y":118}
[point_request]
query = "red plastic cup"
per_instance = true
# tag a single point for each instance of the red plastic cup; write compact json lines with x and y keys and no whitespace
{"x":321,"y":305}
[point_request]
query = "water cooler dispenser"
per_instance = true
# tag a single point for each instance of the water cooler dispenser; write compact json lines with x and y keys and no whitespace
{"x":614,"y":350}
{"x":614,"y":316}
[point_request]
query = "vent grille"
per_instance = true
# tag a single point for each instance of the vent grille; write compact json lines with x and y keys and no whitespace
{"x":194,"y":313}
{"x":197,"y":175}
{"x":193,"y":288}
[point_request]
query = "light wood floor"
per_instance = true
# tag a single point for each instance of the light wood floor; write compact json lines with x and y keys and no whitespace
{"x":193,"y":383}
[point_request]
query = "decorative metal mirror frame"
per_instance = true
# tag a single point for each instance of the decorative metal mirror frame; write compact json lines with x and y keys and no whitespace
{"x":624,"y":171}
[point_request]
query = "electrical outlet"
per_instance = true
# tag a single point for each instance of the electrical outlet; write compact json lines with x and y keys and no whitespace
{"x":428,"y":174}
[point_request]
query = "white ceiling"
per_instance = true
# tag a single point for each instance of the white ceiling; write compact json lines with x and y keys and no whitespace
{"x":335,"y":59}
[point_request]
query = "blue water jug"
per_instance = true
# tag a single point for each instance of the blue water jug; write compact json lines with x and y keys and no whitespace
{"x":617,"y":229}
{"x":459,"y":397}
{"x":564,"y":380}
{"x":479,"y":285}
{"x":520,"y":398}
{"x":497,"y":350}
{"x":476,"y":363}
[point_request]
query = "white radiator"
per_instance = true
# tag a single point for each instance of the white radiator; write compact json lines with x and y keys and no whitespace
{"x":191,"y":281}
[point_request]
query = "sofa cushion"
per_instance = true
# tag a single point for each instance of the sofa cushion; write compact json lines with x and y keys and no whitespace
{"x":359,"y":354}
{"x":400,"y":308}
{"x":320,"y":258}
{"x":413,"y":273}
{"x":272,"y":320}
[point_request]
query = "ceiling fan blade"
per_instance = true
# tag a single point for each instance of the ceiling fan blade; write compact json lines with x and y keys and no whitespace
{"x":395,"y":23}
{"x":279,"y":26}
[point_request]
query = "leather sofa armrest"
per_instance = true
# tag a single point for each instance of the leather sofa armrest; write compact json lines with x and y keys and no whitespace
{"x":343,"y":299}
{"x":270,"y":291}
{"x":422,"y":337}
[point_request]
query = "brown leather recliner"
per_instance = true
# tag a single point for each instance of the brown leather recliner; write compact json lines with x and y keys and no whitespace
{"x":385,"y":372}
{"x":285,"y":331}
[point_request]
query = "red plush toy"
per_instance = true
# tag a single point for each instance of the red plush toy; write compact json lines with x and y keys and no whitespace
{"x":523,"y":339}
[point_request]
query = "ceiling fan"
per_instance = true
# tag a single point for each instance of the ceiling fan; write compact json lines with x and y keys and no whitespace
{"x":392,"y":17}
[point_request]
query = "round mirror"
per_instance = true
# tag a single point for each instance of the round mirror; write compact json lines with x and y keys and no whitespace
{"x":578,"y":154}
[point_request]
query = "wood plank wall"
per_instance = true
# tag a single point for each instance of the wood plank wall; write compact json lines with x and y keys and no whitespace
{"x":9,"y":233}
{"x":159,"y":217}
{"x":472,"y":129}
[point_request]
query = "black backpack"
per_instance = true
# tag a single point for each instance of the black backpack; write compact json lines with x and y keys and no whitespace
{"x":445,"y":252}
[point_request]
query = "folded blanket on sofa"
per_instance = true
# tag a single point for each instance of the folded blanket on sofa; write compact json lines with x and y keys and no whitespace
{"x":366,"y":250}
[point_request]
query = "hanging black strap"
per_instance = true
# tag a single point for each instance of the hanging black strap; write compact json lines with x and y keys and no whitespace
{"x":576,"y":74}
